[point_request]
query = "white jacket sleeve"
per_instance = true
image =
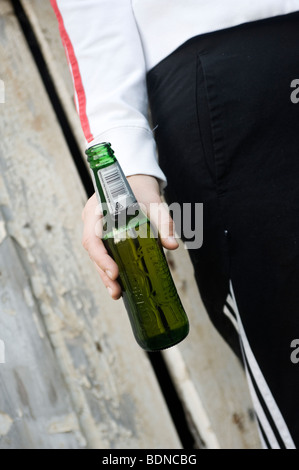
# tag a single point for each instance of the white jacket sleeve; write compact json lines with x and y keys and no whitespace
{"x":106,"y":58}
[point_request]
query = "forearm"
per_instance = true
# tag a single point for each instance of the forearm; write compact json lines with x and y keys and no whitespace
{"x":107,"y":63}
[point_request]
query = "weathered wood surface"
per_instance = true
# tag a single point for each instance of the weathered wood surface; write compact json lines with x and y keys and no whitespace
{"x":45,"y":27}
{"x":34,"y":397}
{"x":74,"y":377}
{"x":208,"y":377}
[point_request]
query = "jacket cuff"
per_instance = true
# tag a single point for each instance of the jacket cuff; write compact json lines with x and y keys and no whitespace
{"x":135,"y":149}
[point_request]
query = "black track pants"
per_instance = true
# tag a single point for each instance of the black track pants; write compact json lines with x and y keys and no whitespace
{"x":227,"y":132}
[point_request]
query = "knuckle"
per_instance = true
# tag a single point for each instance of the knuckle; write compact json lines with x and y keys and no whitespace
{"x":99,"y":229}
{"x":85,"y":242}
{"x":171,"y":225}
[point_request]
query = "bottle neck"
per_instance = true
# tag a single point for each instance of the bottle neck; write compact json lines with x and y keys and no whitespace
{"x":100,"y":155}
{"x":112,"y":188}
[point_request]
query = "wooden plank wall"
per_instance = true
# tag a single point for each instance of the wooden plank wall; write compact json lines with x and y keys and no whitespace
{"x":72,"y":377}
{"x":109,"y":395}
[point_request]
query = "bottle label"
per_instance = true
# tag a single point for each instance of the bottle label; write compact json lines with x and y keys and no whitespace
{"x":116,"y":188}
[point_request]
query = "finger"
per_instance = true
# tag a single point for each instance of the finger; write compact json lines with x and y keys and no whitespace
{"x":113,"y":287}
{"x":93,"y":244}
{"x":160,"y":217}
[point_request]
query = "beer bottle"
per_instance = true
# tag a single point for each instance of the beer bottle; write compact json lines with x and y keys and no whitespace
{"x":156,"y":313}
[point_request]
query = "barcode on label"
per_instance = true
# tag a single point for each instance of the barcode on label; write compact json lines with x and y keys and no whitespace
{"x":115,"y":183}
{"x":116,"y":189}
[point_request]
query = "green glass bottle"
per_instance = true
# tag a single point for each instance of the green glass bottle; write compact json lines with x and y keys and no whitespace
{"x":156,"y":313}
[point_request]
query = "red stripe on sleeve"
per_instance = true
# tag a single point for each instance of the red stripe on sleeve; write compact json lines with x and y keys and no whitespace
{"x":70,"y":53}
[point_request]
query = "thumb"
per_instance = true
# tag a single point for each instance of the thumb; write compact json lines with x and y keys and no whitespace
{"x":160,"y":217}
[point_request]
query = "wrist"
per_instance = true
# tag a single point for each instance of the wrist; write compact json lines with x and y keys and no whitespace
{"x":145,"y":185}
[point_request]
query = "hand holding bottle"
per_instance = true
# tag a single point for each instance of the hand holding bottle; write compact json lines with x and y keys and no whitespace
{"x":147,"y":192}
{"x":156,"y":313}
